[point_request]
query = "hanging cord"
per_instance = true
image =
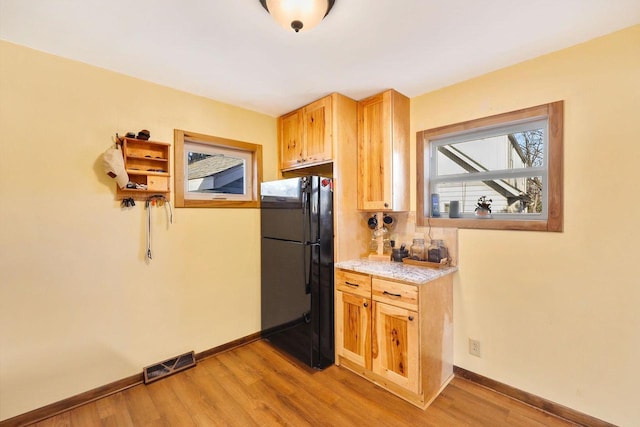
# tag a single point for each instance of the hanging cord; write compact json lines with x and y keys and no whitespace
{"x":147,"y":206}
{"x":166,"y":203}
{"x":152,"y":201}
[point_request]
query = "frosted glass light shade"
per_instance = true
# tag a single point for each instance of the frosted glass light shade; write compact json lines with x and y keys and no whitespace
{"x":299,"y":15}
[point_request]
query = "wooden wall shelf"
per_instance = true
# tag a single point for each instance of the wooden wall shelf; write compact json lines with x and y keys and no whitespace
{"x":147,"y":163}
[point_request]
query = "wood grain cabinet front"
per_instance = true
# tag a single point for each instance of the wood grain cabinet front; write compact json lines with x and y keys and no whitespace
{"x":290,"y":135}
{"x":353,"y":332}
{"x":396,"y":334}
{"x":305,"y":135}
{"x":396,"y":345}
{"x":383,"y":152}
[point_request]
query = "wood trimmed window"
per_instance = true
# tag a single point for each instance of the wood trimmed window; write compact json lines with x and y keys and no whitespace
{"x":446,"y":140}
{"x":214,"y":172}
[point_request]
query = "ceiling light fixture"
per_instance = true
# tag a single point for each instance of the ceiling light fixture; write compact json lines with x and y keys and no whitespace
{"x":299,"y":15}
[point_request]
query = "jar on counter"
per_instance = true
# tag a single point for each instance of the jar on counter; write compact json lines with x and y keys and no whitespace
{"x":418,"y":250}
{"x":437,"y":251}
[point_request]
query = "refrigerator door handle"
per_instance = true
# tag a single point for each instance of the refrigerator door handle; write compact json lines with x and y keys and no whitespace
{"x":308,"y":261}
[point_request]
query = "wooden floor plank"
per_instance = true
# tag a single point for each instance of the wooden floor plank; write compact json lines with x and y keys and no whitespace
{"x":257,"y":385}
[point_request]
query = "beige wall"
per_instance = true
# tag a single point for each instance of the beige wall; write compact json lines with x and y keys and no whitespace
{"x":79,"y":307}
{"x":557,"y":313}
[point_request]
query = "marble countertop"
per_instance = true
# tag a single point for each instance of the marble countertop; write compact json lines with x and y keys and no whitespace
{"x":395,"y":270}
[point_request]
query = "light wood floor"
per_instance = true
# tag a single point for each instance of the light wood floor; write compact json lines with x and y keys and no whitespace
{"x":255,"y":385}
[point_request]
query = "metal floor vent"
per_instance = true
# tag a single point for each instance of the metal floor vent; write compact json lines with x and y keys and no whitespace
{"x":168,"y":367}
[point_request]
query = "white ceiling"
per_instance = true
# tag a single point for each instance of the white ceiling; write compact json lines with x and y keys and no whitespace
{"x":233,"y":51}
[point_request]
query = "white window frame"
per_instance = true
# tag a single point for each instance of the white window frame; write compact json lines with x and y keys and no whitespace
{"x":199,"y":147}
{"x":483,"y":133}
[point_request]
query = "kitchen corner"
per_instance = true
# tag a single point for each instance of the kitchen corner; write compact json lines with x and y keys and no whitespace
{"x":394,"y":326}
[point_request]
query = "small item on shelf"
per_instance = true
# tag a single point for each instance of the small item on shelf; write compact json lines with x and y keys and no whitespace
{"x":454,"y":209}
{"x":144,"y":135}
{"x":483,"y":207}
{"x":435,"y":205}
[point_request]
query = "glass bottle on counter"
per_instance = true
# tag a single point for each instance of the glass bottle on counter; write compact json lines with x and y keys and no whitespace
{"x":437,"y":251}
{"x":417,"y":250}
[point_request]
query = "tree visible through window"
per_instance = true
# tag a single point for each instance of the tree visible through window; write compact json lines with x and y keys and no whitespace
{"x":514,"y":159}
{"x":530,"y":147}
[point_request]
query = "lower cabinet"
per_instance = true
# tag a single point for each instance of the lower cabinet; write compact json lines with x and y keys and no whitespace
{"x":396,"y":334}
{"x":353,"y":333}
{"x":396,"y":345}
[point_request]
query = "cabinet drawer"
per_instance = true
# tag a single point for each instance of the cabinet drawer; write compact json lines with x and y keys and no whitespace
{"x":158,"y":183}
{"x":394,"y":293}
{"x":353,"y":283}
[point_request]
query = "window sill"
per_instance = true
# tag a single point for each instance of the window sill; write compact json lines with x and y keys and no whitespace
{"x":217,"y":204}
{"x":490,"y":224}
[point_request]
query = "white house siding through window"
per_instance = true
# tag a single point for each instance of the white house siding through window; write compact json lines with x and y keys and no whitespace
{"x":216,"y":173}
{"x":508,"y":168}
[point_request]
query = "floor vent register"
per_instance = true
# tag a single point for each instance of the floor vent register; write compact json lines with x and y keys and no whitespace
{"x":169,"y":367}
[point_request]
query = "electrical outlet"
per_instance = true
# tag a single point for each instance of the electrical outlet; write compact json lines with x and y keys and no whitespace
{"x":474,"y":347}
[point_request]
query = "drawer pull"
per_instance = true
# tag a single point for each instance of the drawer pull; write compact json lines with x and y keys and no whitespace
{"x":393,"y":295}
{"x":355,"y":285}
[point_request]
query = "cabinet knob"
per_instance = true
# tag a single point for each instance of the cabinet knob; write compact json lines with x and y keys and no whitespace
{"x":386,"y":205}
{"x":410,"y":318}
{"x":366,"y":304}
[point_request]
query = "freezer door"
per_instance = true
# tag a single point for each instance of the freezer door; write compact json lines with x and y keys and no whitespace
{"x":285,"y":224}
{"x":285,"y":294}
{"x":285,"y":209}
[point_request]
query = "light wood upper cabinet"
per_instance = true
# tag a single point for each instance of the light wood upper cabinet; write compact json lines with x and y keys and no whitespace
{"x":290,"y":133}
{"x":317,"y":131}
{"x":306,"y":135}
{"x":383,"y":152}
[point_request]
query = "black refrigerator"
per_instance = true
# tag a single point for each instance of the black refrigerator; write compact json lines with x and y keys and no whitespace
{"x":297,"y":267}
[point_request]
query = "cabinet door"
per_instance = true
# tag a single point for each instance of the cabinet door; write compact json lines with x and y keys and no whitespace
{"x":396,"y":345}
{"x":291,"y":144}
{"x":374,"y":154}
{"x":353,"y":326}
{"x":317,"y":131}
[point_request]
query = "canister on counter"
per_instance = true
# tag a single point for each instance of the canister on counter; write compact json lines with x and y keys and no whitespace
{"x":418,"y":250}
{"x":437,"y":251}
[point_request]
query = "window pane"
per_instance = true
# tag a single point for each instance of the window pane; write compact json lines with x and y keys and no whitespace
{"x":215,"y":173}
{"x":508,"y":151}
{"x":509,"y":196}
